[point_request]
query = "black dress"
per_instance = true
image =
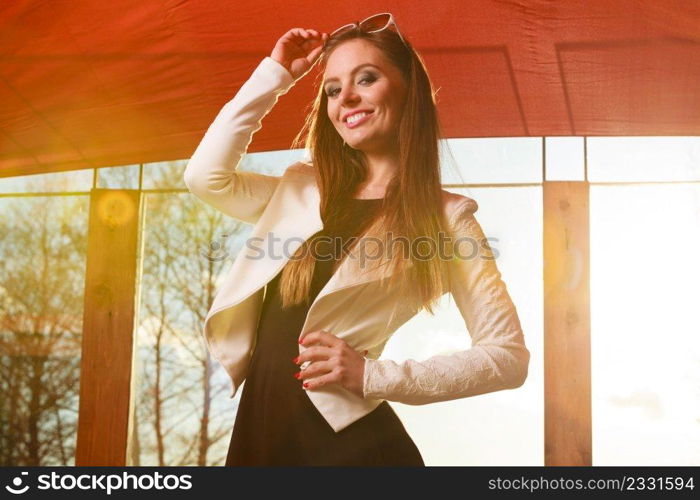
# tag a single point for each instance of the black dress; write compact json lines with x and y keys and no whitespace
{"x":276,"y":422}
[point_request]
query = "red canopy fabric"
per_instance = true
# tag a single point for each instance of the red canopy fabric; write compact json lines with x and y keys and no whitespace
{"x":86,"y":84}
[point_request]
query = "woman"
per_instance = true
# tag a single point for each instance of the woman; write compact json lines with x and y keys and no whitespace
{"x":315,"y":394}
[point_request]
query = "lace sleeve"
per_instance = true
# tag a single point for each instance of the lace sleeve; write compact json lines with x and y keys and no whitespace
{"x":497,"y":359}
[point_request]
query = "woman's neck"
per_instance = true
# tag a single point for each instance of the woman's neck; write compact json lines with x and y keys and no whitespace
{"x":381,"y":169}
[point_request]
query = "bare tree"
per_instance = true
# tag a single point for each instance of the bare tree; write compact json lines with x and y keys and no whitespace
{"x":41,"y":294}
{"x":182,"y":386}
{"x":182,"y":412}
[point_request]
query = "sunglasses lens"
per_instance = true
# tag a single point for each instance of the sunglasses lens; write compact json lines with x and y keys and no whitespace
{"x":375,"y":23}
{"x":372,"y":24}
{"x":342,"y":29}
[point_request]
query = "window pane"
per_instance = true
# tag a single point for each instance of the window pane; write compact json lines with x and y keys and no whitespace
{"x":164,"y":175}
{"x":645,"y":292}
{"x":491,"y":160}
{"x":76,"y":180}
{"x":42,"y":266}
{"x":643,"y":159}
{"x":564,"y":158}
{"x":123,"y":177}
{"x":188,"y":249}
{"x":272,"y":162}
{"x":503,"y":427}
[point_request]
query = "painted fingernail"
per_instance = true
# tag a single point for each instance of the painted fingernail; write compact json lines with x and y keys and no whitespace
{"x":297,"y":375}
{"x":296,"y":360}
{"x":306,"y":385}
{"x":301,"y":341}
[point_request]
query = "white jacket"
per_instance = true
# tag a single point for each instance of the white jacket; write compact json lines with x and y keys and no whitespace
{"x":351,"y":305}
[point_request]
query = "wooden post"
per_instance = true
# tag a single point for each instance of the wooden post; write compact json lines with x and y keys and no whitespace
{"x":108,"y":325}
{"x":567,"y":324}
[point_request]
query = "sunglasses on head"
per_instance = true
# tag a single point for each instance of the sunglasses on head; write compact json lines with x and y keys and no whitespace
{"x":373,"y":24}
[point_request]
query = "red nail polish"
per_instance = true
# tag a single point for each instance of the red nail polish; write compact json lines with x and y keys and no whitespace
{"x":301,"y":341}
{"x":306,"y":385}
{"x":297,"y":375}
{"x":295,"y":360}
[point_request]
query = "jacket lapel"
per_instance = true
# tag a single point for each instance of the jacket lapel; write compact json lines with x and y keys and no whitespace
{"x":291,"y":218}
{"x":352,"y":271}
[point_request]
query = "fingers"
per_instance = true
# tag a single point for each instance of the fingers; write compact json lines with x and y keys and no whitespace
{"x":298,"y":32}
{"x":332,"y":377}
{"x":314,"y":34}
{"x":321,"y":353}
{"x":321,"y":337}
{"x":306,"y":33}
{"x":307,"y":43}
{"x":330,"y":361}
{"x":316,"y":353}
{"x":313,"y":55}
{"x":316,"y":369}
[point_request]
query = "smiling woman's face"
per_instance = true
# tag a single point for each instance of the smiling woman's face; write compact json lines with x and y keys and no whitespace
{"x":358,"y":78}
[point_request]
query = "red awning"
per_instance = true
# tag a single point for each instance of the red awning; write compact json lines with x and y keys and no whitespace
{"x":86,"y":83}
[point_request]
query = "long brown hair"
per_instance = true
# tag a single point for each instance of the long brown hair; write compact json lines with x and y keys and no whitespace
{"x":413,"y":204}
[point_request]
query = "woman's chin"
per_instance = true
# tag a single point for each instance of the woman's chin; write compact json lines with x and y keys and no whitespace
{"x":359,"y":145}
{"x":354,"y":145}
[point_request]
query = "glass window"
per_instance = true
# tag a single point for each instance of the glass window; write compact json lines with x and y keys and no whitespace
{"x":188,"y":247}
{"x":491,"y":160}
{"x":272,"y":162}
{"x":42,"y":267}
{"x":76,"y":181}
{"x":645,"y":291}
{"x":644,"y":296}
{"x":636,"y":159}
{"x":164,"y":175}
{"x":124,"y":177}
{"x":503,"y":427}
{"x":564,"y":158}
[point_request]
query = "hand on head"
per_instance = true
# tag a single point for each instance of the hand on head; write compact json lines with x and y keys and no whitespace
{"x":298,"y":49}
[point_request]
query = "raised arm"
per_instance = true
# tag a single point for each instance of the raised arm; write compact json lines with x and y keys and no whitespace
{"x":498,"y":358}
{"x":211,"y":174}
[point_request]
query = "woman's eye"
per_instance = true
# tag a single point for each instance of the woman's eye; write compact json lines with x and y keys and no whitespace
{"x":367,"y":78}
{"x":333,"y":92}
